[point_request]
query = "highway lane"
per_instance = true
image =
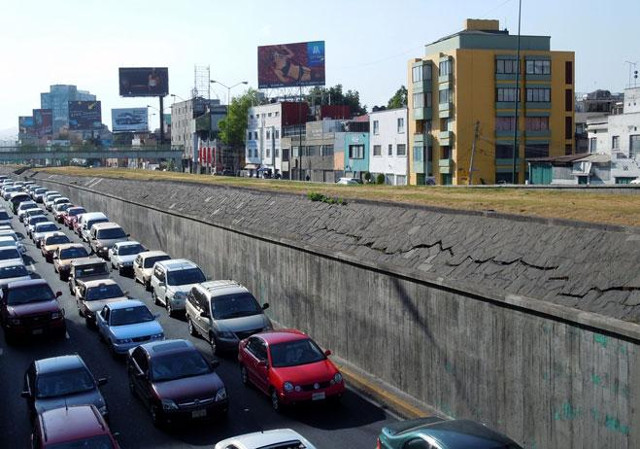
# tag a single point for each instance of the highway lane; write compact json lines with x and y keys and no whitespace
{"x":354,"y":424}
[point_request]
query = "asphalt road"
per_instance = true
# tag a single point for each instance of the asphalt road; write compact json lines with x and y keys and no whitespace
{"x":354,"y":424}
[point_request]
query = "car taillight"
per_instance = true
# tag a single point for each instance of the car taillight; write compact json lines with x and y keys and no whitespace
{"x":378,"y":444}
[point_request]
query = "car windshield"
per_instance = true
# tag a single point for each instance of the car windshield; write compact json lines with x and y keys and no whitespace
{"x":34,"y":212}
{"x":46,"y":227}
{"x":234,"y":306}
{"x":112,"y":233}
{"x":177,"y":366}
{"x":77,"y":211}
{"x":9,"y":253}
{"x":149,"y":261}
{"x":105,"y":291}
{"x":4,"y":215}
{"x":73,"y":253}
{"x":92,"y":270}
{"x":57,"y":240}
{"x":40,"y":190}
{"x":131,"y":315}
{"x":97,"y":442}
{"x":64,"y":383}
{"x":8,"y":242}
{"x":184,"y":277}
{"x":298,"y":352}
{"x":13,"y":271}
{"x":96,"y":220}
{"x":28,"y":294}
{"x":130,"y":250}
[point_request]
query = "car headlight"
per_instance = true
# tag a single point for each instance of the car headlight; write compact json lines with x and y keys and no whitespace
{"x":287,"y":387}
{"x":337,"y":378}
{"x":122,"y":341}
{"x":227,"y":335}
{"x":221,"y":395}
{"x":168,"y":404}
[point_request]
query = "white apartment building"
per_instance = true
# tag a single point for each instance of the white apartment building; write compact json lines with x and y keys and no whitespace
{"x":264,"y":130}
{"x":618,"y":135}
{"x":388,"y":145}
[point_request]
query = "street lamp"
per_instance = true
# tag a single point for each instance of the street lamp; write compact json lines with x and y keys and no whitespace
{"x":174,"y":97}
{"x":228,"y":102}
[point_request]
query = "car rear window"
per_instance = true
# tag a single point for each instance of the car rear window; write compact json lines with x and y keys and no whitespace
{"x":184,"y":277}
{"x":9,"y":253}
{"x":4,"y":215}
{"x":150,"y":261}
{"x":92,"y":270}
{"x":103,"y":292}
{"x":131,"y":315}
{"x":64,"y":383}
{"x":13,"y":271}
{"x":111,"y":233}
{"x":57,"y":240}
{"x":73,"y":253}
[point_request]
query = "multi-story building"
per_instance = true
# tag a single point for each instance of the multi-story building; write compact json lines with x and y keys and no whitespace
{"x":462,"y":99}
{"x":58,"y":98}
{"x":388,"y":141}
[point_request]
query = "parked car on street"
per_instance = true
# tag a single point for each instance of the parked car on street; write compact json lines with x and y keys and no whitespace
{"x":83,"y":270}
{"x":13,"y":272}
{"x":60,"y":382}
{"x":16,"y":198}
{"x":49,"y":199}
{"x":172,"y":280}
{"x":25,"y":206}
{"x":10,"y":254}
{"x":104,"y":235}
{"x":50,"y":243}
{"x":174,"y":380}
{"x":76,"y":426}
{"x":15,"y":237}
{"x":88,"y":220}
{"x":348,"y":181}
{"x":29,"y":308}
{"x":5,"y":218}
{"x":125,"y":324}
{"x":143,"y":266}
{"x":276,"y":439}
{"x":72,"y":215}
{"x":91,"y":297}
{"x":64,"y":255}
{"x":38,"y":194}
{"x":290,"y":367}
{"x":224,"y":312}
{"x":59,"y":211}
{"x":435,"y":432}
{"x":122,"y":254}
{"x":41,"y":229}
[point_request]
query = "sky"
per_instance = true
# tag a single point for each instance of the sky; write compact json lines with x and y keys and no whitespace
{"x":368,"y":43}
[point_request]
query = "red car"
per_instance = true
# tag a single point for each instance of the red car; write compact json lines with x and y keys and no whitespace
{"x":76,"y":426}
{"x":290,"y":367}
{"x":71,"y":215}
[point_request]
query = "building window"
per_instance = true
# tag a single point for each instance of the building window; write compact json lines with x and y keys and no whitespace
{"x":506,"y":66}
{"x":615,"y":142}
{"x":539,"y":95}
{"x":538,"y":67}
{"x":444,"y":96}
{"x":356,"y":151}
{"x":277,"y":152}
{"x":249,"y":138}
{"x":568,"y":149}
{"x":268,"y":152}
{"x":268,"y":134}
{"x":400,"y":125}
{"x":428,"y":99}
{"x":295,"y":151}
{"x":505,"y":123}
{"x":506,"y":94}
{"x":593,"y":144}
{"x":536,"y":150}
{"x":568,"y":100}
{"x":418,"y":153}
{"x":418,"y":101}
{"x":276,"y":113}
{"x":327,"y":150}
{"x":390,"y":150}
{"x":312,"y":150}
{"x":634,"y":146}
{"x":376,"y":127}
{"x":445,"y":67}
{"x":568,"y":72}
{"x":537,"y":123}
{"x":568,"y":128}
{"x":401,"y":149}
{"x":269,"y":114}
{"x":417,"y":74}
{"x":445,"y":152}
{"x":444,"y":124}
{"x":276,"y":133}
{"x":504,"y":151}
{"x":285,"y":154}
{"x":377,"y":150}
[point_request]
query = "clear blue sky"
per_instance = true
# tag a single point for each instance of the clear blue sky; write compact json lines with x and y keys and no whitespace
{"x":368,"y":43}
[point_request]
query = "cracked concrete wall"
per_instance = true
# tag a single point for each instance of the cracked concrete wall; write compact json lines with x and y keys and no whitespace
{"x":414,"y":297}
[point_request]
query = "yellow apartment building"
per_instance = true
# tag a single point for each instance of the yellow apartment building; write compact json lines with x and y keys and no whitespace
{"x":462,"y":106}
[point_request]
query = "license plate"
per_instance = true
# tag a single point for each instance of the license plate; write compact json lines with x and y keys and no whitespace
{"x":36,"y":332}
{"x":317,"y":396}
{"x":199,"y":413}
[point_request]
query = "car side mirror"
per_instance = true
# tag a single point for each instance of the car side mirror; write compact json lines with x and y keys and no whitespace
{"x":265,"y":306}
{"x":327,"y":353}
{"x":58,"y":294}
{"x":128,"y":235}
{"x":102,"y":381}
{"x":25,"y":394}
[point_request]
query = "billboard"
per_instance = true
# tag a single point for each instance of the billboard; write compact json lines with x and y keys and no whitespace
{"x":129,"y":120}
{"x":43,"y":122}
{"x":144,"y":82}
{"x":26,"y":127}
{"x":85,"y":115}
{"x":300,"y":64}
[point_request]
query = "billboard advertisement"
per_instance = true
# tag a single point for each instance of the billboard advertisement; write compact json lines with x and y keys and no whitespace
{"x":300,"y":64}
{"x":85,"y":115}
{"x":43,"y":122}
{"x":144,"y":82}
{"x":26,"y":126}
{"x":129,"y":120}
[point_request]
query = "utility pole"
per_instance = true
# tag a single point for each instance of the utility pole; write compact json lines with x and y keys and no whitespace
{"x":473,"y":151}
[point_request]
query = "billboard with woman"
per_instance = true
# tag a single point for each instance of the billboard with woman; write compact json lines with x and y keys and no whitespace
{"x":300,"y":64}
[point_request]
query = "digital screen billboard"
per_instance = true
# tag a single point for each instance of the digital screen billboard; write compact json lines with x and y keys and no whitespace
{"x":85,"y":115}
{"x":300,"y":64}
{"x":26,"y":126}
{"x":144,"y":82}
{"x":129,"y":120}
{"x":43,"y":122}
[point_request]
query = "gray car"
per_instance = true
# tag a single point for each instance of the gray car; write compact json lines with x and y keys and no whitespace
{"x":62,"y":381}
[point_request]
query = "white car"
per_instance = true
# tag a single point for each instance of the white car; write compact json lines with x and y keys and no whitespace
{"x":25,"y":206}
{"x":50,"y":198}
{"x":348,"y":181}
{"x":5,"y":218}
{"x":172,"y":280}
{"x":13,"y":271}
{"x":14,"y":236}
{"x":32,"y":221}
{"x":10,"y":254}
{"x":41,"y":229}
{"x":143,"y":266}
{"x":285,"y":438}
{"x":122,"y":255}
{"x":635,"y":181}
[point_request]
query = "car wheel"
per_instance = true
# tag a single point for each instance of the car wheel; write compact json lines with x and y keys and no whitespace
{"x":275,"y":401}
{"x":121,"y":271}
{"x":244,"y":376}
{"x":147,"y":284}
{"x":192,"y":330}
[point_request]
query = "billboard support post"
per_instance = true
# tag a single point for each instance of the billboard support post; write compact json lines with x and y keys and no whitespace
{"x":300,"y":131}
{"x":161,"y":119}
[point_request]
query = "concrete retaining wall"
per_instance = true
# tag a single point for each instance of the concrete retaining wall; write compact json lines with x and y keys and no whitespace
{"x":547,"y":375}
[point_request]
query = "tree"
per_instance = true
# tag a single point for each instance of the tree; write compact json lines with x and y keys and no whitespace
{"x":399,"y":99}
{"x":233,"y":127}
{"x":335,"y":96}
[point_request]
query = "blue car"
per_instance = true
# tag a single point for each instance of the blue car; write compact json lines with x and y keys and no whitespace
{"x":126,"y":324}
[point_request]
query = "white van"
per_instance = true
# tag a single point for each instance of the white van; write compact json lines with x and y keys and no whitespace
{"x":89,"y":219}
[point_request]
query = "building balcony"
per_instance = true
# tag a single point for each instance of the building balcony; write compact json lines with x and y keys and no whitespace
{"x":537,"y":105}
{"x":445,"y":138}
{"x":507,"y":162}
{"x":445,"y":78}
{"x":445,"y":166}
{"x":421,"y":113}
{"x":541,"y":133}
{"x":421,"y":86}
{"x":424,"y":139}
{"x":507,"y":133}
{"x":445,"y":110}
